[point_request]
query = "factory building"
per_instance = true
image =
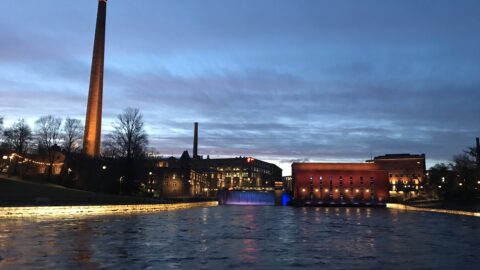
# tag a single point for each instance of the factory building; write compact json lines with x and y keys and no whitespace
{"x":405,"y":171}
{"x":339,"y":184}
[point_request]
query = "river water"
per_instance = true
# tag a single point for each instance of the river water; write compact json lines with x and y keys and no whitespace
{"x":245,"y":237}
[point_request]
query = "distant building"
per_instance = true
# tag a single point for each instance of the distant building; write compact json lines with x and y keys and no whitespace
{"x":241,"y":172}
{"x":287,"y":183}
{"x":172,"y":177}
{"x":34,"y":165}
{"x":198,"y":176}
{"x":175,"y":178}
{"x":404,"y":170}
{"x":339,"y":184}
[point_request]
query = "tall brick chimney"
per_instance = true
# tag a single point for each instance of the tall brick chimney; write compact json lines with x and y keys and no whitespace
{"x":195,"y":141}
{"x":93,"y":121}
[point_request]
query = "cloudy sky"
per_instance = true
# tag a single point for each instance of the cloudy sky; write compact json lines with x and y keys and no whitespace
{"x":277,"y":80}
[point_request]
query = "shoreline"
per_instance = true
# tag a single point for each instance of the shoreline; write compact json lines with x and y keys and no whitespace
{"x":81,"y":211}
{"x":17,"y":192}
{"x":432,"y":210}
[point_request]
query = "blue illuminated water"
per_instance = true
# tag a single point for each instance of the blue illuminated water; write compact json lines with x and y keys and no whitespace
{"x":246,"y":237}
{"x":243,"y":197}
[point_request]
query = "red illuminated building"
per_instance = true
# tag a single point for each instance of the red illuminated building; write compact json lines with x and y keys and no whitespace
{"x":339,"y":184}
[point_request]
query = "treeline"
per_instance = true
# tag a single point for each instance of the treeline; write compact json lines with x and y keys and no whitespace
{"x":50,"y":133}
{"x":457,"y":180}
{"x":122,"y":149}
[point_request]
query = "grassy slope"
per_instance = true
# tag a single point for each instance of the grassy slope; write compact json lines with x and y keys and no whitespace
{"x":17,"y":191}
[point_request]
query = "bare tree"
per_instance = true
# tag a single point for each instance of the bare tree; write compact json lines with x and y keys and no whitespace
{"x":47,"y":130}
{"x":72,"y":135}
{"x":129,"y":135}
{"x":128,"y":141}
{"x":18,"y":136}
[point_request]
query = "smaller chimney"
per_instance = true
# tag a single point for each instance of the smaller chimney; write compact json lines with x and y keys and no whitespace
{"x":195,"y":141}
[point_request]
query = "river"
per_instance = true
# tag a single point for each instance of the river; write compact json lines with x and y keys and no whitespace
{"x":245,"y":237}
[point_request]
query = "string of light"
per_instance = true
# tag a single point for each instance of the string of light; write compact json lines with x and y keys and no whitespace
{"x":25,"y":160}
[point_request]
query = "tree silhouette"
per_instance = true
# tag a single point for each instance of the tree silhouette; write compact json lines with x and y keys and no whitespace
{"x":47,"y":131}
{"x":18,"y":137}
{"x":72,"y":135}
{"x":128,"y":141}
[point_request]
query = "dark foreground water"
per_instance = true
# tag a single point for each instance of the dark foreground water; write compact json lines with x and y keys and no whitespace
{"x":245,"y":237}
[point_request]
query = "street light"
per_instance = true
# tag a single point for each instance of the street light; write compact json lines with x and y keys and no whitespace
{"x":5,"y":157}
{"x":104,"y":167}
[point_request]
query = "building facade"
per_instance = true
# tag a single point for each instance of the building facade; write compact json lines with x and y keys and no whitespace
{"x":241,"y":172}
{"x":172,"y":177}
{"x":404,"y":170}
{"x":175,"y":178}
{"x":176,"y":183}
{"x":339,"y":184}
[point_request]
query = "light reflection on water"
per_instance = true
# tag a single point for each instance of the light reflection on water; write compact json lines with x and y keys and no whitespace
{"x":245,"y":237}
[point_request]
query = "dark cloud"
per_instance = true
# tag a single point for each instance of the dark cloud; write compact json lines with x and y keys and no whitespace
{"x":280,"y":80}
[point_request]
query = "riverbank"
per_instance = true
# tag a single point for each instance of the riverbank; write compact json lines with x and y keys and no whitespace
{"x":433,"y":210}
{"x":17,"y":192}
{"x":473,"y":206}
{"x":49,"y":212}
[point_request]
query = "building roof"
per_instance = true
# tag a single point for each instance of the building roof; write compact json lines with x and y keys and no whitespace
{"x":399,"y":156}
{"x":336,"y":166}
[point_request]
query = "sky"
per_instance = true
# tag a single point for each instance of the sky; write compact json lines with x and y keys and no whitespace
{"x":278,"y":80}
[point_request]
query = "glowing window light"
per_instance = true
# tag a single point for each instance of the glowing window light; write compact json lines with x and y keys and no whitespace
{"x":368,"y":190}
{"x":346,"y":190}
{"x":104,"y":167}
{"x":303,"y":190}
{"x":357,"y":191}
{"x":336,"y":190}
{"x":326,"y":190}
{"x":316,"y":190}
{"x":460,"y":184}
